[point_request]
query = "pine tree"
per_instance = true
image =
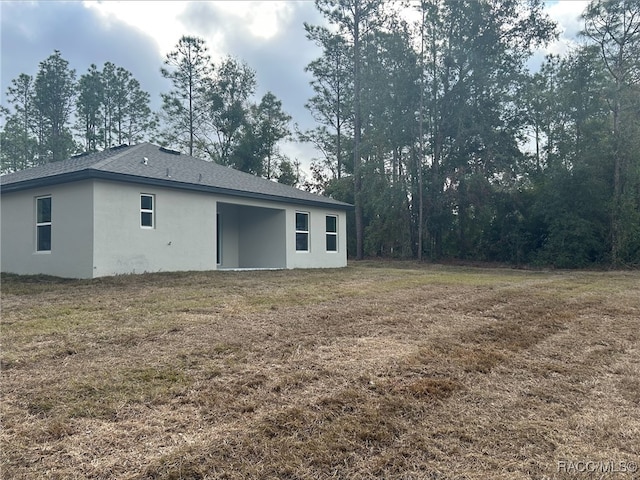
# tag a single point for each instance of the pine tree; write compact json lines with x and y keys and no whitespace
{"x":228,"y":95}
{"x":185,"y":106}
{"x":54,"y":94}
{"x":18,"y":145}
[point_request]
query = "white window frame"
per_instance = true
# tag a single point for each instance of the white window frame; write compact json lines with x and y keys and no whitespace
{"x":303,"y":232}
{"x":331,"y":234}
{"x":148,"y":211}
{"x":42,"y":224}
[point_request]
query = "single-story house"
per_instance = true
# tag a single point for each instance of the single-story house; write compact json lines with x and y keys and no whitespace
{"x":144,"y":208}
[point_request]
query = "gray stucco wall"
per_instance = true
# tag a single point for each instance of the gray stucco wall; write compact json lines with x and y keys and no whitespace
{"x":252,"y":236}
{"x":71,"y":232}
{"x":229,"y":235}
{"x":317,"y":256}
{"x":263,"y":235}
{"x":262,"y":238}
{"x":182,"y":238}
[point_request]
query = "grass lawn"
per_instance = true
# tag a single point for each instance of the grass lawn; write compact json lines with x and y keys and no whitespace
{"x":379,"y":370}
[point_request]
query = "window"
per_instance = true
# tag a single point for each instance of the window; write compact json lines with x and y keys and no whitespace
{"x":146,"y":210}
{"x":43,"y":224}
{"x":302,"y":232}
{"x":332,"y":233}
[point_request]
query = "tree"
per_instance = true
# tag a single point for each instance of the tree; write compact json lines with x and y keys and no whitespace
{"x":288,"y":172}
{"x":540,"y":110}
{"x":331,"y":105}
{"x":138,"y":121}
{"x":18,"y":145}
{"x":248,"y":154}
{"x":228,"y":95}
{"x":89,"y":108}
{"x":256,"y":150}
{"x":355,"y":19}
{"x":389,"y":129}
{"x":111,"y":108}
{"x":614,"y":26}
{"x":272,"y":123}
{"x":17,"y":151}
{"x":475,"y":59}
{"x":110,"y":93}
{"x":54,"y":93}
{"x":188,"y":67}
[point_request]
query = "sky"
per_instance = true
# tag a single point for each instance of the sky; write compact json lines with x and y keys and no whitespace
{"x":268,"y":35}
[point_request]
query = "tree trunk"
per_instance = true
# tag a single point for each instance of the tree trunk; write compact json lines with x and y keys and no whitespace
{"x":357,"y":174}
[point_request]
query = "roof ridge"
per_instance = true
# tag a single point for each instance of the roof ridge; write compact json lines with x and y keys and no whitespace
{"x":121,"y":151}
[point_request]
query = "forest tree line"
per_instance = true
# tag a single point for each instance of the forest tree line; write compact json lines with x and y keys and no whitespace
{"x":450,"y":147}
{"x":433,"y":126}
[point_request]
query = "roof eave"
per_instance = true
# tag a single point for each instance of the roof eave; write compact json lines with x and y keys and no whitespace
{"x":44,"y":181}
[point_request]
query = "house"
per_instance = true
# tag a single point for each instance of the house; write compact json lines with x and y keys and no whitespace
{"x":144,"y":208}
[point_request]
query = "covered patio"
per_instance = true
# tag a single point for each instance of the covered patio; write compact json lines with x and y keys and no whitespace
{"x":250,"y":237}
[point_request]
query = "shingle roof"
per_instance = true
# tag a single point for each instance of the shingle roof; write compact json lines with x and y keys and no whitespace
{"x":149,"y":164}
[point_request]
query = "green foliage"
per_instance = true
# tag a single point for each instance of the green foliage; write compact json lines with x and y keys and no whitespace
{"x":54,"y":93}
{"x":89,"y":108}
{"x":210,"y":113}
{"x":332,"y":103}
{"x":288,"y":172}
{"x":267,"y":124}
{"x":18,"y":149}
{"x":18,"y":145}
{"x":613,"y":26}
{"x":387,"y":217}
{"x":446,"y":122}
{"x":574,"y":206}
{"x":112,"y":109}
{"x":228,"y":94}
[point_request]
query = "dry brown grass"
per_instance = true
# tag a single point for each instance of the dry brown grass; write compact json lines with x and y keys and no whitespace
{"x":379,"y":370}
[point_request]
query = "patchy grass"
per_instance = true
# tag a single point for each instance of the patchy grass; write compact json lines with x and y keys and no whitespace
{"x":380,"y":370}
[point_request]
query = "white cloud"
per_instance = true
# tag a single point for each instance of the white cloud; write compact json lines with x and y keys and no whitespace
{"x":262,"y":19}
{"x":567,"y":13}
{"x":167,"y":21}
{"x":159,"y":20}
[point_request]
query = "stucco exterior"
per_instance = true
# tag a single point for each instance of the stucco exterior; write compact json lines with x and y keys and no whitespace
{"x":96,"y":231}
{"x":71,"y":252}
{"x":317,"y":256}
{"x":182,"y":237}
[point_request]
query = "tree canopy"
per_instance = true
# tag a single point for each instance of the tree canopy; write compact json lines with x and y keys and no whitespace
{"x":460,"y":151}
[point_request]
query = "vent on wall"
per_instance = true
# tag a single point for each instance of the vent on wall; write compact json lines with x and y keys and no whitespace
{"x":169,"y":151}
